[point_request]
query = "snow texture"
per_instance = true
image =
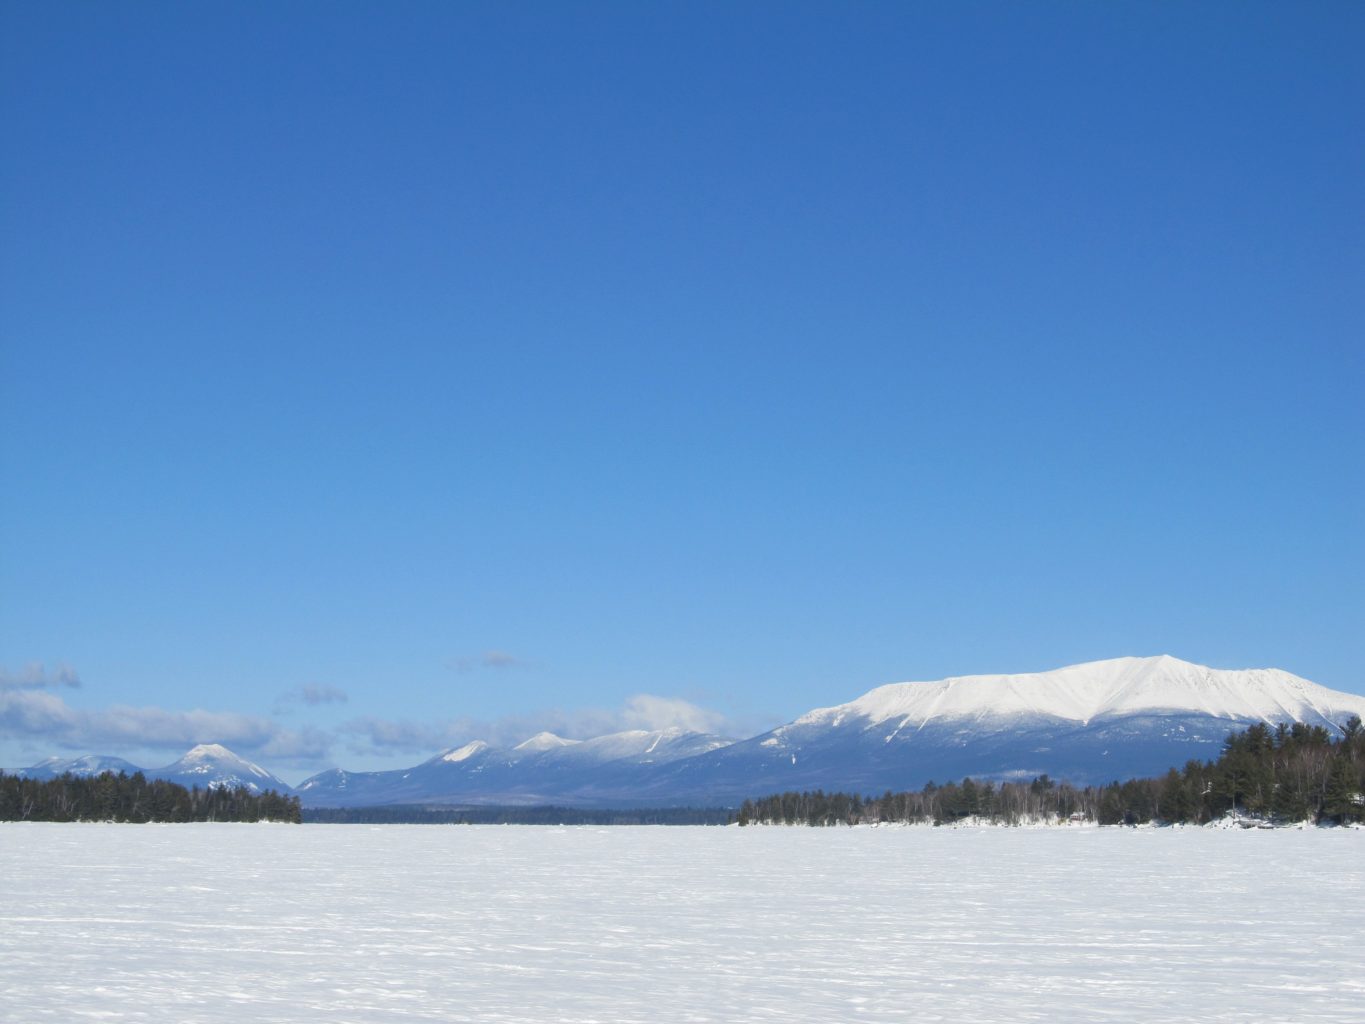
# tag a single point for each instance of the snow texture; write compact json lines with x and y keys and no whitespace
{"x":228,"y":923}
{"x":464,"y":753}
{"x":211,"y":764}
{"x":1119,"y":686}
{"x":544,"y":741}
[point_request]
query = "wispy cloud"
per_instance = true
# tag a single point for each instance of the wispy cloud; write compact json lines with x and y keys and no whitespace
{"x":311,"y":694}
{"x":647,"y":711}
{"x":307,"y":747}
{"x":498,"y":661}
{"x":315,"y":694}
{"x":36,"y":676}
{"x":371,"y":735}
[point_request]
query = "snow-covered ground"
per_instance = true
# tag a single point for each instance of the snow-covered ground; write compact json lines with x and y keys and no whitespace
{"x":190,"y":923}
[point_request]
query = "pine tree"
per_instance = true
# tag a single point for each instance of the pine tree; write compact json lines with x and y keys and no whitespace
{"x":1342,"y":800}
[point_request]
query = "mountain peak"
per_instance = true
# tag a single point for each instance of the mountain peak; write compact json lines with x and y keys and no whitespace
{"x":544,"y":741}
{"x":209,"y":751}
{"x":1098,"y":721}
{"x":464,"y":753}
{"x":212,"y":764}
{"x":1081,"y":693}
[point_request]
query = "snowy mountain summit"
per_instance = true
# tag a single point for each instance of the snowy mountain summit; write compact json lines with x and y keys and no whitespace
{"x":81,"y":767}
{"x":544,"y":768}
{"x":1095,"y":690}
{"x":1094,"y":722}
{"x":211,"y":765}
{"x":1089,"y":723}
{"x":544,"y":741}
{"x":208,"y":766}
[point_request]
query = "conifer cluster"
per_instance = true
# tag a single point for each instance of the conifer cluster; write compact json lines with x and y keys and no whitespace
{"x":501,"y":814}
{"x":1287,"y":774}
{"x":133,"y":798}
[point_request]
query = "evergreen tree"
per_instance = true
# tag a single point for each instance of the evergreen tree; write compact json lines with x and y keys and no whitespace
{"x":131,"y":798}
{"x":1342,"y":800}
{"x":1292,"y":773}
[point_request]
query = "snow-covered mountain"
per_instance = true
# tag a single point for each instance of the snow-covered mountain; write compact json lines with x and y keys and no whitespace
{"x":208,"y":765}
{"x":1095,"y":722}
{"x":1089,"y":723}
{"x":1084,"y":693}
{"x":544,"y":768}
{"x":88,"y":764}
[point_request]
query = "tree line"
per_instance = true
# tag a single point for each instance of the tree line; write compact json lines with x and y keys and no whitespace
{"x":1291,"y":773}
{"x":134,"y":798}
{"x":421,"y":814}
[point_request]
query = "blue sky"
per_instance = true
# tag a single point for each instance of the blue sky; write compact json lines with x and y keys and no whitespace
{"x":378,"y":376}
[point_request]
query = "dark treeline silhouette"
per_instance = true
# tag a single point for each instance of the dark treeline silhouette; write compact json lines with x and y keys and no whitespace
{"x":1286,"y":774}
{"x":418,"y":814}
{"x":1008,"y":803}
{"x":132,"y":798}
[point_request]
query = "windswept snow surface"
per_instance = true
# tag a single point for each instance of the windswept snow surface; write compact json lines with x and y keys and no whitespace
{"x":229,"y":923}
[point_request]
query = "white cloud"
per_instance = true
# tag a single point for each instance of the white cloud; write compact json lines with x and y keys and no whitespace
{"x":372,"y":735}
{"x":34,"y":712}
{"x":35,"y":676}
{"x":298,"y":747}
{"x":28,"y":713}
{"x":647,"y":711}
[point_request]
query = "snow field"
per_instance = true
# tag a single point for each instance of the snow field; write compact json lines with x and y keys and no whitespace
{"x":219,"y":923}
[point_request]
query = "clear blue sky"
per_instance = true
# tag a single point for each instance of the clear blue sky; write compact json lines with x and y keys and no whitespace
{"x":495,"y":366}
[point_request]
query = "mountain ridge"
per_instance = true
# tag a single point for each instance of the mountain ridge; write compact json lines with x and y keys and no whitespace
{"x":206,"y":765}
{"x":1127,"y":685}
{"x":1091,"y":722}
{"x":1088,"y":722}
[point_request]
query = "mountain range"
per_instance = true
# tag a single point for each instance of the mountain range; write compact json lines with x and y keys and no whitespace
{"x":206,"y":765}
{"x":1088,"y":723}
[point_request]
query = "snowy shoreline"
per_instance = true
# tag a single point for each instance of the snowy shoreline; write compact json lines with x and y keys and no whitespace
{"x":1223,"y":824}
{"x":963,"y":825}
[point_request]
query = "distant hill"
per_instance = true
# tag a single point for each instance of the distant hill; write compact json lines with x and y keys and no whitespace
{"x":81,"y":767}
{"x":208,"y":766}
{"x":595,"y":772}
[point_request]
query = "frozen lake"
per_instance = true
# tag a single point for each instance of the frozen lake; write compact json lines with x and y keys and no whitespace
{"x":190,"y":923}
